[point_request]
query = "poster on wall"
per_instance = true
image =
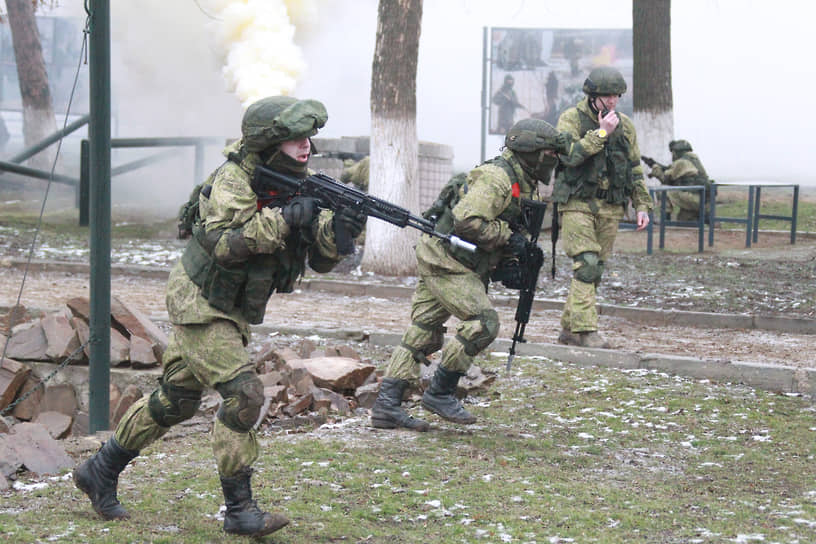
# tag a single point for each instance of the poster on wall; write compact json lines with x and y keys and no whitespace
{"x":540,"y":72}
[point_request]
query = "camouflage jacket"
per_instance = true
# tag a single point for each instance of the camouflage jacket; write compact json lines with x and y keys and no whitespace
{"x":488,"y":202}
{"x":586,"y":145}
{"x":685,"y":170}
{"x":232,"y":209}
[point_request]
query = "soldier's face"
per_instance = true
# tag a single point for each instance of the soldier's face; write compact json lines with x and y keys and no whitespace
{"x":297,"y":149}
{"x":606,"y":102}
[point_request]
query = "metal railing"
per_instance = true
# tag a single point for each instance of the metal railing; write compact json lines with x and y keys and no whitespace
{"x":198,"y":143}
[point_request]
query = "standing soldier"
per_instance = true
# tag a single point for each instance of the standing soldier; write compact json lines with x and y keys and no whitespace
{"x":686,"y":169}
{"x":599,"y":175}
{"x":242,"y":250}
{"x":507,"y":101}
{"x":484,"y":208}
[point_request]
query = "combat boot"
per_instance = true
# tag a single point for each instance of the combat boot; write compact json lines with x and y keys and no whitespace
{"x":569,"y":338}
{"x":387,"y":413}
{"x":440,"y":397}
{"x":591,"y":339}
{"x":243,"y":517}
{"x":98,"y":477}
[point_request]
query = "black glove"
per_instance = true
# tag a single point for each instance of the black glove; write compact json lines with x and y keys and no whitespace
{"x":517,"y":244}
{"x":350,"y":220}
{"x":509,"y":274}
{"x":300,"y":212}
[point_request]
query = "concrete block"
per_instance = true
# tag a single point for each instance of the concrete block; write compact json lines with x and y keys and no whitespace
{"x":785,"y":324}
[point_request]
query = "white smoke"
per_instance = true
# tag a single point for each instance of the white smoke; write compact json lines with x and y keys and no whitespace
{"x":256,"y":42}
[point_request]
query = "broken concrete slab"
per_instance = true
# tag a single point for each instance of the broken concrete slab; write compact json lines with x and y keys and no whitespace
{"x":141,"y":353}
{"x":60,"y":336}
{"x":57,"y":424}
{"x":39,"y":452}
{"x":60,"y":398}
{"x":28,"y":343}
{"x":129,"y":396}
{"x":28,"y":408}
{"x":13,"y":374}
{"x":336,"y":373}
{"x":136,"y":323}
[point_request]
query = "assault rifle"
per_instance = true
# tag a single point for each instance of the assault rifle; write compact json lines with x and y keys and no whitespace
{"x":334,"y":195}
{"x":530,"y":263}
{"x":651,"y":163}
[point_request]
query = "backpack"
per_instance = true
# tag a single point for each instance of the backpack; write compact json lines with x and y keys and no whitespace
{"x":447,"y":199}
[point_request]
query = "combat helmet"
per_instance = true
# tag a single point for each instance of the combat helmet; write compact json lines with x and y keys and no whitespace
{"x":530,"y":140}
{"x":276,"y":119}
{"x":604,"y":81}
{"x":530,"y":135}
{"x":679,"y":146}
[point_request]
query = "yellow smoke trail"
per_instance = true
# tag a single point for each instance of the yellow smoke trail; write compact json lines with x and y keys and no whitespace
{"x":256,"y":39}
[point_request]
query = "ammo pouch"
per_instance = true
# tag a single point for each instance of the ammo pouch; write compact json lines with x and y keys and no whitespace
{"x":219,"y":285}
{"x":257,"y":289}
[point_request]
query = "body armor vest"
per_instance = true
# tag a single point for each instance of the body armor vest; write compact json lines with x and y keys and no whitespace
{"x":478,"y":260}
{"x":612,"y":163}
{"x":702,"y":177}
{"x":246,"y":286}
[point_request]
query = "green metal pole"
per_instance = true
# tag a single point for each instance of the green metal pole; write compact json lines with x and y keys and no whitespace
{"x":99,"y":132}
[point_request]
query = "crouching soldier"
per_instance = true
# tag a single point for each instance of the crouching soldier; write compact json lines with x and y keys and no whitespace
{"x":484,"y":208}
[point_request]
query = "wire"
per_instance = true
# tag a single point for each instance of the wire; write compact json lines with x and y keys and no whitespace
{"x":14,"y":311}
{"x":214,"y":18}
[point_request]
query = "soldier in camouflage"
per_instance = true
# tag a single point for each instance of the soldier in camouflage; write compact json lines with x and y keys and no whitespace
{"x":483,"y":207}
{"x":599,"y":175}
{"x":243,"y":248}
{"x":686,"y":169}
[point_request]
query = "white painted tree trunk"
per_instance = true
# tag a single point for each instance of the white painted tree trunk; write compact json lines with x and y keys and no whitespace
{"x":393,"y":177}
{"x":654,"y":131}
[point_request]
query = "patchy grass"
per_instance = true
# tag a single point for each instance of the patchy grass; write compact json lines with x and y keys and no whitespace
{"x":560,"y":454}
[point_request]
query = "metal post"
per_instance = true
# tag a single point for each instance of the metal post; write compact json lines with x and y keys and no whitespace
{"x":485,"y":105}
{"x":712,"y":212}
{"x":701,"y":221}
{"x":795,"y":213}
{"x":662,"y":238}
{"x":99,"y":132}
{"x":83,"y":192}
{"x":749,"y":218}
{"x":198,"y":172}
{"x":757,"y":198}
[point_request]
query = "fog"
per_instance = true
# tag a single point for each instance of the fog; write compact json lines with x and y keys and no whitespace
{"x":735,"y":64}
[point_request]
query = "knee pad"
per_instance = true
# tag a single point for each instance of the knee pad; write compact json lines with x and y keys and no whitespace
{"x":590,"y":267}
{"x":243,"y":399}
{"x":169,"y":405}
{"x":487,"y":332}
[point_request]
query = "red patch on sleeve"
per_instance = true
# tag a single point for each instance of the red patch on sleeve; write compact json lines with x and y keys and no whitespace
{"x":516,"y":190}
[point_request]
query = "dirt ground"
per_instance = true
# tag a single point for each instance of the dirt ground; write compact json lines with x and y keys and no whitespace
{"x":772,"y":278}
{"x":310,"y":309}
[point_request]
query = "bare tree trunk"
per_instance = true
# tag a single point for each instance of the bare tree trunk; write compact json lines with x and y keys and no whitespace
{"x":38,"y":108}
{"x":394,"y":146}
{"x":651,"y":40}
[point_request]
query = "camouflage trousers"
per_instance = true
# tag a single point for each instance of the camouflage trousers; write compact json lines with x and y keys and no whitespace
{"x":197,"y":358}
{"x":686,"y":205}
{"x":582,"y":232}
{"x":437,"y":298}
